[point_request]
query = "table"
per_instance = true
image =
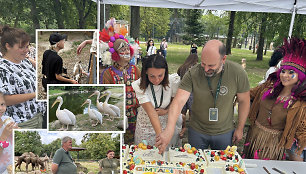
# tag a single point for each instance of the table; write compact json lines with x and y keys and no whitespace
{"x":286,"y":166}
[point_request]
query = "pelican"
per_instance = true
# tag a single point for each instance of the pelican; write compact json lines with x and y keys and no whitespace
{"x":64,"y":116}
{"x":109,"y":108}
{"x":93,"y":114}
{"x":99,"y":104}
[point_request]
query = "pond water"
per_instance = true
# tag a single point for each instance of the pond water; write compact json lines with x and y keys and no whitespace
{"x":73,"y":101}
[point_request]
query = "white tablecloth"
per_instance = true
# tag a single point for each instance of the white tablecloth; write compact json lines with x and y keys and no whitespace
{"x":286,"y":166}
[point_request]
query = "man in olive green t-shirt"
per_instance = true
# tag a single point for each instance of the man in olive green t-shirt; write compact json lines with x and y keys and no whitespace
{"x":214,"y":83}
{"x":62,"y":160}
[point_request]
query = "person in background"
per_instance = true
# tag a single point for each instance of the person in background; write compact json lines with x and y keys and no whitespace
{"x":18,"y":78}
{"x":278,"y":111}
{"x":62,"y":160}
{"x":163,"y":47}
{"x":52,"y":63}
{"x":151,"y":49}
{"x":194,"y":49}
{"x":273,"y":63}
{"x":109,"y":165}
{"x":214,"y":84}
{"x":191,"y":61}
{"x":154,"y":91}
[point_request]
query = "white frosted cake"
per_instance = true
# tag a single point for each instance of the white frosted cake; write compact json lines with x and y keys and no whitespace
{"x":222,"y":158}
{"x":125,"y":152}
{"x":145,"y":159}
{"x":146,"y":152}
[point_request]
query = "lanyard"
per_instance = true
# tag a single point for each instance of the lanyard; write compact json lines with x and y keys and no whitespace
{"x":161,"y":98}
{"x":218,"y":88}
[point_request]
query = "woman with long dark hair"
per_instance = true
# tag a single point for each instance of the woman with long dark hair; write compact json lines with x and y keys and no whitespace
{"x":154,"y":90}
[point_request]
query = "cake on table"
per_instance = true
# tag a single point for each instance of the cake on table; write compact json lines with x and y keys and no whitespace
{"x":145,"y":159}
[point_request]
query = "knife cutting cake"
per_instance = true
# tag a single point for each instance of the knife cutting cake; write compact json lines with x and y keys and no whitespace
{"x":145,"y":159}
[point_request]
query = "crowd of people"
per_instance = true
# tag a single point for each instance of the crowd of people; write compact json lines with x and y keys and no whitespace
{"x":157,"y":102}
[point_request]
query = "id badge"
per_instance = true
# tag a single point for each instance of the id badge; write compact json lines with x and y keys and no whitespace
{"x":213,"y":114}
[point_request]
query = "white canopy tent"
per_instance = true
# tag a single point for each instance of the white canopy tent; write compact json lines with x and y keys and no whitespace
{"x":270,"y":6}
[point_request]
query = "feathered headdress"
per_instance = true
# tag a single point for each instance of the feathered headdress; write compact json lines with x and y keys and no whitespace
{"x":116,"y":41}
{"x":294,"y":52}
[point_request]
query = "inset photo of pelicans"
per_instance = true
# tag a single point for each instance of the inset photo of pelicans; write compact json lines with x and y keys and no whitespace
{"x":86,"y":108}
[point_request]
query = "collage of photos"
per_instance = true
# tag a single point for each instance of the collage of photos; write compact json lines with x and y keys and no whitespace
{"x":152,"y":87}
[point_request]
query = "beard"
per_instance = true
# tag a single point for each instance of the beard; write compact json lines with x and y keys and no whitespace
{"x":213,"y":72}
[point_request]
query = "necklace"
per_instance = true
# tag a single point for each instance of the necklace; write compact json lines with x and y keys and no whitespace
{"x":280,"y":99}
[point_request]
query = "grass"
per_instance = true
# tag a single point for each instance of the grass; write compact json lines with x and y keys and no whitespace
{"x":92,"y":166}
{"x":55,"y":91}
{"x":176,"y":55}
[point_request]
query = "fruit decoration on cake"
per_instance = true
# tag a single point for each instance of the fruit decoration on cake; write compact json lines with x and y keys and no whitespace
{"x":145,"y":159}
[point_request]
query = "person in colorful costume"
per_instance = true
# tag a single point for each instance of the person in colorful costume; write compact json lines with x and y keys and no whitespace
{"x":122,"y":72}
{"x":278,"y":113}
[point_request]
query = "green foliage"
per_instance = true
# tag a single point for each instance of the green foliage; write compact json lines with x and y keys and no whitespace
{"x":154,"y":22}
{"x":214,"y":25}
{"x":97,"y":145}
{"x":120,"y":12}
{"x":194,"y":28}
{"x":27,"y":141}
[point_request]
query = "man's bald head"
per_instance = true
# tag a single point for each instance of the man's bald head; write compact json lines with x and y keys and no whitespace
{"x":214,"y":46}
{"x":213,"y":57}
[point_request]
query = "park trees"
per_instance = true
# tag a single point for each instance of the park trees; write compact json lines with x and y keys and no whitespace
{"x":27,"y":141}
{"x":97,"y":145}
{"x":154,"y":22}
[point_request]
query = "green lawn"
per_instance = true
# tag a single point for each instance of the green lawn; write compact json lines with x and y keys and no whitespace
{"x":176,"y":55}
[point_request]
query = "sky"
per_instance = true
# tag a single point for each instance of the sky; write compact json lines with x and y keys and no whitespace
{"x":48,"y":137}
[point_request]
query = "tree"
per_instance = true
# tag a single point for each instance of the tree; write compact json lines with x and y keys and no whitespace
{"x":57,"y":6}
{"x":83,"y":8}
{"x":97,"y":145}
{"x":261,"y":36}
{"x":230,"y":33}
{"x":154,"y":22}
{"x":27,"y":141}
{"x":135,"y":21}
{"x":194,"y":28}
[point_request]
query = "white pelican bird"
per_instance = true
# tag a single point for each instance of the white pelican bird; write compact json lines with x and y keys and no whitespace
{"x":99,"y":104}
{"x":93,"y":114}
{"x":106,"y":108}
{"x":110,"y":109}
{"x":64,"y":116}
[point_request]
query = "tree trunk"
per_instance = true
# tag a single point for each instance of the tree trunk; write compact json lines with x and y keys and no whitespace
{"x":261,"y":37}
{"x":107,"y":14}
{"x":266,"y":48}
{"x":135,"y":21}
{"x":34,"y":15}
{"x":81,"y":8}
{"x":254,"y":42}
{"x":235,"y":42}
{"x":58,"y":13}
{"x":230,"y":33}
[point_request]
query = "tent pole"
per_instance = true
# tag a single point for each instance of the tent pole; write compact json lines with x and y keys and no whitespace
{"x":292,"y":20}
{"x":104,"y":15}
{"x":98,"y":14}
